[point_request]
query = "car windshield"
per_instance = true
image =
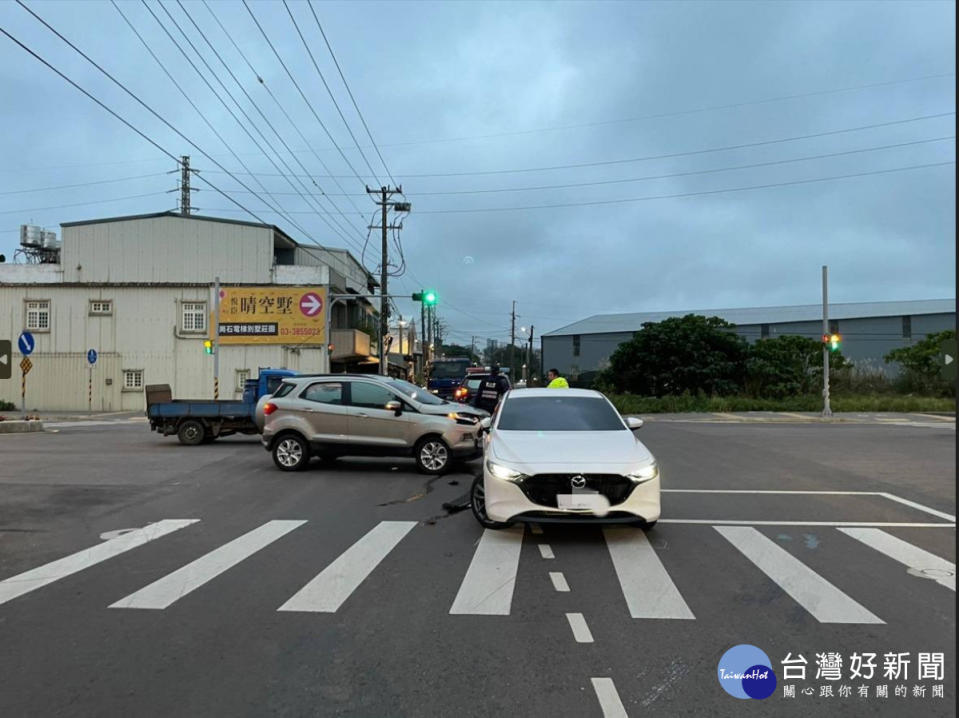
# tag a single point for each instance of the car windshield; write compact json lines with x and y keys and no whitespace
{"x":448,"y":370}
{"x":561,"y":413}
{"x":414,"y":392}
{"x":473,"y":382}
{"x":284,"y":389}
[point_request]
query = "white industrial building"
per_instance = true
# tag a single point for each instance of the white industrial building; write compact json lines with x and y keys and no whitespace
{"x":139,"y":291}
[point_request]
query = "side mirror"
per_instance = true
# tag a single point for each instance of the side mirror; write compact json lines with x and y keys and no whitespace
{"x":485,"y":423}
{"x":634,"y":423}
{"x":394,"y":406}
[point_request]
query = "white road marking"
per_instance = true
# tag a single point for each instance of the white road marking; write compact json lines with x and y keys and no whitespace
{"x":559,"y":581}
{"x":545,"y":551}
{"x":580,"y":629}
{"x":771,"y":491}
{"x":174,"y":586}
{"x":920,"y":507}
{"x":48,"y":573}
{"x":945,"y":419}
{"x":747,"y":522}
{"x":810,"y":590}
{"x":487,"y":588}
{"x":905,"y":553}
{"x":648,"y":589}
{"x":608,"y":697}
{"x":335,"y":583}
{"x":535,"y":528}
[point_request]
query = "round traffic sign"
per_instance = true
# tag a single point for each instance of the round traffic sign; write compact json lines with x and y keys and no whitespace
{"x":26,"y":344}
{"x":92,"y":356}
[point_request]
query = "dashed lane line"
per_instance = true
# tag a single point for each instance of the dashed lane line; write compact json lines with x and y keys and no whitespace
{"x":545,"y":551}
{"x":559,"y":581}
{"x":580,"y":629}
{"x":608,"y":697}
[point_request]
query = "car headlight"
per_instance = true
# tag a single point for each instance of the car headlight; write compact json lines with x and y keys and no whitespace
{"x":504,"y":472}
{"x":646,"y":473}
{"x":461,"y":418}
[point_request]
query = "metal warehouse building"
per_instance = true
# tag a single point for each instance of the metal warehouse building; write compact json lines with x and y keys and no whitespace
{"x":869,"y":330}
{"x":139,"y":291}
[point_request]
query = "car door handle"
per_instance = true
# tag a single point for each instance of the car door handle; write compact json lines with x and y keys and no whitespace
{"x":361,"y":413}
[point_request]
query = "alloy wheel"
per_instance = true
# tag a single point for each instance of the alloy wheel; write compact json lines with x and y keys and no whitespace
{"x":434,"y":455}
{"x":289,"y":452}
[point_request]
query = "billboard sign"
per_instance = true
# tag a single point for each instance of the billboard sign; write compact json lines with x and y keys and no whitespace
{"x":272,"y":315}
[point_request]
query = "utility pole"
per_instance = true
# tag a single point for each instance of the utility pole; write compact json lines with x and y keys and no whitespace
{"x":512,"y":339}
{"x":216,"y":338}
{"x":385,"y":193}
{"x":826,"y":410}
{"x":185,"y":185}
{"x":472,"y":347}
{"x":423,"y":355}
{"x":529,"y":356}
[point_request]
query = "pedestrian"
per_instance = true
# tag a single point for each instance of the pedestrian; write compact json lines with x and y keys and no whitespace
{"x":555,"y":380}
{"x":491,"y":389}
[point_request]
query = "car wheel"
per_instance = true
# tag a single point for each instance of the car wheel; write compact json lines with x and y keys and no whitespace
{"x":291,"y":453}
{"x":478,"y":505}
{"x":432,"y":455}
{"x":191,"y":433}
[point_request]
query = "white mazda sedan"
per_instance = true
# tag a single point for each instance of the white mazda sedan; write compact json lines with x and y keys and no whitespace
{"x":564,"y":455}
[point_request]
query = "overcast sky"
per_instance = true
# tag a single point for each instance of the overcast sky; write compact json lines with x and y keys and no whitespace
{"x":458,"y":96}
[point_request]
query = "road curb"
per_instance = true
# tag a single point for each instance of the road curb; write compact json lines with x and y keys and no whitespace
{"x":20,"y":427}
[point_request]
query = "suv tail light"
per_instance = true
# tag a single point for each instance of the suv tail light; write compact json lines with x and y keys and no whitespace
{"x":268,"y":408}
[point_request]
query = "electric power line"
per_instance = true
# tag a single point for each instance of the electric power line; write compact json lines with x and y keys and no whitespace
{"x":81,"y":204}
{"x":689,"y":153}
{"x":336,"y":104}
{"x":350,"y":93}
{"x":83,"y":184}
{"x":338,"y":228}
{"x":286,"y":114}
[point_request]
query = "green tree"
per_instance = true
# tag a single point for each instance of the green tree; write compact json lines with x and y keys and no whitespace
{"x":788,"y":366}
{"x":457,"y":350}
{"x":693,"y":354}
{"x":921,"y":364}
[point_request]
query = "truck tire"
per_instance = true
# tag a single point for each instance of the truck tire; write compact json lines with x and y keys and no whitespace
{"x":191,"y":432}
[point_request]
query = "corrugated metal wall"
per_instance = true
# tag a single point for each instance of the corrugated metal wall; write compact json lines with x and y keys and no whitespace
{"x":143,"y":333}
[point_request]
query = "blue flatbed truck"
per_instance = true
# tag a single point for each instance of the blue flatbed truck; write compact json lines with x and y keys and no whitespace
{"x":200,"y":421}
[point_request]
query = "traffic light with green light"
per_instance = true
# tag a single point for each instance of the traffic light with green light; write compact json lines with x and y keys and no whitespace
{"x":208,"y":346}
{"x":834,"y":341}
{"x":428,"y":297}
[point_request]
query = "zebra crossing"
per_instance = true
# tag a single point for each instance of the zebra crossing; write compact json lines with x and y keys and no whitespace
{"x":488,"y":584}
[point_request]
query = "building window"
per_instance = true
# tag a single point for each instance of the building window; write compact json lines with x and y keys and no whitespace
{"x":38,"y":316}
{"x":101,"y":307}
{"x":763,"y":331}
{"x":907,"y":327}
{"x":834,"y":326}
{"x":132,"y":379}
{"x":194,"y":316}
{"x":576,"y":345}
{"x":241,"y":376}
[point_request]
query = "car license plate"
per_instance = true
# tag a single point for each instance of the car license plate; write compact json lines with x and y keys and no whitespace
{"x":582,"y":500}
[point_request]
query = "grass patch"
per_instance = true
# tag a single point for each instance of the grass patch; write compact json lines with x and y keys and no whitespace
{"x":631,"y":404}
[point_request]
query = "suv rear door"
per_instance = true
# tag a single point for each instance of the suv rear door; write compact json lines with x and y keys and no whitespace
{"x":372,"y":424}
{"x":322,"y":405}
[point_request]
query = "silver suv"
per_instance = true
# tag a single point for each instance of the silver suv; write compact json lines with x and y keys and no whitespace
{"x":331,"y":415}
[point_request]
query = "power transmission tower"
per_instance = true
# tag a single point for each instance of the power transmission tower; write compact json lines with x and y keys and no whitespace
{"x":385,"y":194}
{"x":185,"y":189}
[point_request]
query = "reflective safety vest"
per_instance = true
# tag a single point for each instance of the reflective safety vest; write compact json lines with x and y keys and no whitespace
{"x":558,"y":383}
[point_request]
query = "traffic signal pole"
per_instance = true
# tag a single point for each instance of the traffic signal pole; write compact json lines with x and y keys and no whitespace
{"x":826,"y":410}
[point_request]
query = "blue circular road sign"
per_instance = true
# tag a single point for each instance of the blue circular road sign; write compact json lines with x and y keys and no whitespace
{"x":26,"y":343}
{"x":92,"y":356}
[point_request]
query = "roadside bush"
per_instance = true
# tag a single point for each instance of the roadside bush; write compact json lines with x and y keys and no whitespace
{"x":788,"y":366}
{"x":7,"y":406}
{"x":921,"y":367}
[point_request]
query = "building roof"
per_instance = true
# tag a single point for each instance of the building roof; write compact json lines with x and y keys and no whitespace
{"x":156,"y":215}
{"x":610,"y":323}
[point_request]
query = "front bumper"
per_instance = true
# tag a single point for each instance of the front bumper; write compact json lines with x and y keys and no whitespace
{"x":507,"y":501}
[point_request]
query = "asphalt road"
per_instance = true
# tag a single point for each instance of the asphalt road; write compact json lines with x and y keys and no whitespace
{"x":347,"y":590}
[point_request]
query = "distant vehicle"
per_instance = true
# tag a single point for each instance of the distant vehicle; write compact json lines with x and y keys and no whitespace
{"x":444,"y":375}
{"x":466,"y":391}
{"x":197,"y":421}
{"x":564,"y":455}
{"x":332,"y":415}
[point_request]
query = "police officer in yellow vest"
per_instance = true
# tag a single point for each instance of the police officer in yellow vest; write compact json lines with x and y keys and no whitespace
{"x":555,"y":380}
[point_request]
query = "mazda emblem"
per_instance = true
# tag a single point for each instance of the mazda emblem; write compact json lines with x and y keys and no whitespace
{"x":578,"y":482}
